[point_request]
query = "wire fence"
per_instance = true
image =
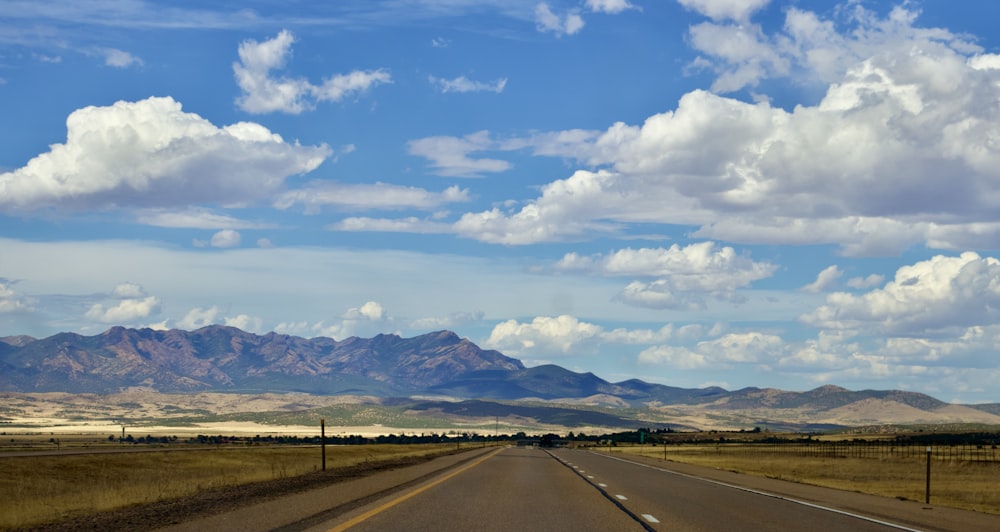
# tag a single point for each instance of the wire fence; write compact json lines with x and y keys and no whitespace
{"x":877,"y":450}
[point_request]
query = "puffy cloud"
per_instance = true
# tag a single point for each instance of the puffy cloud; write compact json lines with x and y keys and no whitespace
{"x":923,"y":299}
{"x":738,"y":10}
{"x":340,"y":86}
{"x":119,"y":58}
{"x":687,"y":273}
{"x":226,"y":238}
{"x":370,"y":318}
{"x":673,"y":356}
{"x":811,"y":46}
{"x":128,"y":291}
{"x":548,"y":21}
{"x":464,"y":84}
{"x":825,"y":280}
{"x":10,"y":300}
{"x":371,"y":311}
{"x":563,"y":212}
{"x":660,"y":294}
{"x":567,"y":335}
{"x":449,"y":156}
{"x":699,"y":266}
{"x":894,"y":155}
{"x":152,"y":154}
{"x":126,"y":311}
{"x":246,"y":323}
{"x":862,"y":283}
{"x":723,"y":352}
{"x":609,"y":6}
{"x":133,"y":304}
{"x":747,"y":55}
{"x":368,"y":196}
{"x":263,"y":93}
{"x":560,"y":335}
{"x":198,"y":317}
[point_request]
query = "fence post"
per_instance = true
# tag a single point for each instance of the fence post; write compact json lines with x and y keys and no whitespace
{"x":927,"y":491}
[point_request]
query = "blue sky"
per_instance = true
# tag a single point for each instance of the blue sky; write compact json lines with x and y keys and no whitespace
{"x":693,"y":192}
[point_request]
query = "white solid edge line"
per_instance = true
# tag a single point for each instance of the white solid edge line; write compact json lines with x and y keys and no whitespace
{"x":766,"y":494}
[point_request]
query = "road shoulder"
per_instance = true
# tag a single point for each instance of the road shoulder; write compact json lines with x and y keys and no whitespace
{"x":905,"y":512}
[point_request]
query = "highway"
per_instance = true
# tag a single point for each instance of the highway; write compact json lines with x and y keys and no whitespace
{"x":565,"y":489}
{"x":669,"y":501}
{"x":532,"y":489}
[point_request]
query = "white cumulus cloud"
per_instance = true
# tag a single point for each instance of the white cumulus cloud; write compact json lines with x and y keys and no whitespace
{"x":738,"y":10}
{"x":896,"y":154}
{"x":449,"y":156}
{"x":567,"y":335}
{"x":152,"y":154}
{"x":119,"y":58}
{"x":11,"y":300}
{"x":561,"y":334}
{"x":368,"y":319}
{"x":132,"y":304}
{"x":723,"y":352}
{"x":226,"y":238}
{"x":824,"y":280}
{"x":262,"y":92}
{"x":547,"y":20}
{"x":609,"y":6}
{"x":923,"y":299}
{"x":685,"y":273}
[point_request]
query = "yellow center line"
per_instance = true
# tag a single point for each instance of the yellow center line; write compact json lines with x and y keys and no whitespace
{"x":375,"y":511}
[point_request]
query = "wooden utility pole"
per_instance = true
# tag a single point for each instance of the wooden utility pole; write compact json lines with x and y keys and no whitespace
{"x":322,"y":440}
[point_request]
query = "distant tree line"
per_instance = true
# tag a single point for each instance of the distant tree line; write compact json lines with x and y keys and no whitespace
{"x":638,"y":436}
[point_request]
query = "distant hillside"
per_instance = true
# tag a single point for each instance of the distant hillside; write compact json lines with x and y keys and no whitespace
{"x":439,"y":364}
{"x":220,"y":358}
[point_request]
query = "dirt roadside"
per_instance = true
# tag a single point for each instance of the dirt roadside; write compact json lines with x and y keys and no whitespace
{"x":216,"y":502}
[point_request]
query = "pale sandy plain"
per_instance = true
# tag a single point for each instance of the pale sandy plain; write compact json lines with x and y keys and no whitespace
{"x":65,"y":413}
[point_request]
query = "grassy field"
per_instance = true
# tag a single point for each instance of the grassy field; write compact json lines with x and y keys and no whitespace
{"x":958,"y":484}
{"x":40,"y":489}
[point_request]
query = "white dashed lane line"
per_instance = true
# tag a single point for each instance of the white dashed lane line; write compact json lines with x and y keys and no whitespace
{"x":621,"y":497}
{"x":650,"y":518}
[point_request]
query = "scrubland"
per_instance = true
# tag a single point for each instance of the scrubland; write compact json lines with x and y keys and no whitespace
{"x":40,"y":489}
{"x":964,"y":484}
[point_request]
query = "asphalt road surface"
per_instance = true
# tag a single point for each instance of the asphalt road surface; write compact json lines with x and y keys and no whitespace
{"x":534,"y":489}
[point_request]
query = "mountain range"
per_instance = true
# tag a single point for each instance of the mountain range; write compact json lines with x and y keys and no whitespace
{"x":437,"y":365}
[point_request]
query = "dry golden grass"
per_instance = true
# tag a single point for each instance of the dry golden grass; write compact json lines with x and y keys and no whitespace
{"x":958,"y":484}
{"x":43,"y":489}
